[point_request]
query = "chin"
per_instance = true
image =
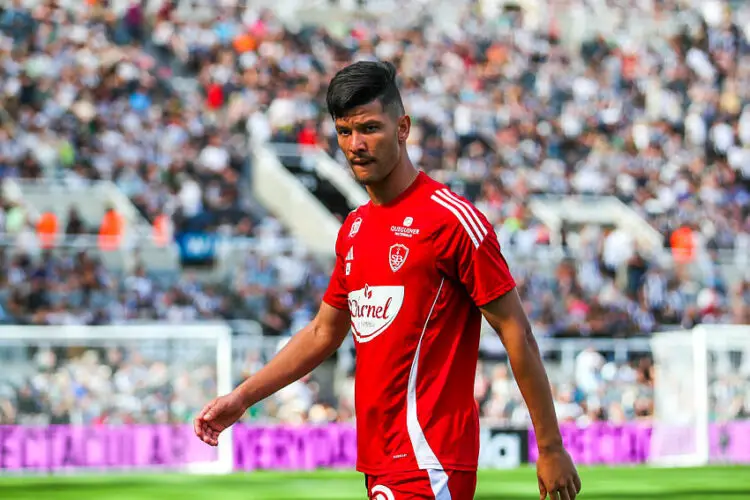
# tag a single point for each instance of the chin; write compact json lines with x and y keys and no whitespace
{"x":364,"y":176}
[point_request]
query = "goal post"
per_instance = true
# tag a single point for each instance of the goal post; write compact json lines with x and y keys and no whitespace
{"x":701,"y":378}
{"x":118,"y":397}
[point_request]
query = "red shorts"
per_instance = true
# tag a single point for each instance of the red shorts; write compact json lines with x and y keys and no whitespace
{"x":422,"y":485}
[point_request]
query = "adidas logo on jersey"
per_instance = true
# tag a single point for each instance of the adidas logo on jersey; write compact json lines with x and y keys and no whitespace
{"x":349,"y":258}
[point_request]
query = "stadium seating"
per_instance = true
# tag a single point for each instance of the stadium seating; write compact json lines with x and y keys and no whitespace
{"x":164,"y":106}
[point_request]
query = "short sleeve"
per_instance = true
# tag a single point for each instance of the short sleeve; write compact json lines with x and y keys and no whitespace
{"x":468,"y":250}
{"x":336,"y":294}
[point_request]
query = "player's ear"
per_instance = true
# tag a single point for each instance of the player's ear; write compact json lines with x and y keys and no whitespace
{"x":404,"y":127}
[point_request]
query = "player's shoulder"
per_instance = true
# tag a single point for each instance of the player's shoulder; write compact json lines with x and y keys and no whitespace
{"x":452,"y":208}
{"x":455,"y":214}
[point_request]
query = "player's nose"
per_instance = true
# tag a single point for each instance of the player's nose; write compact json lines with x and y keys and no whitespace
{"x":358,"y":143}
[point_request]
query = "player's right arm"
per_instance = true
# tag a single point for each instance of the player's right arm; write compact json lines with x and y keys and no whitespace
{"x":306,"y":350}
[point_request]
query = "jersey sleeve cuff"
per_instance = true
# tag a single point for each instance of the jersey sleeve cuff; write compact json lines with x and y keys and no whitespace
{"x":498,"y":292}
{"x":336,"y":305}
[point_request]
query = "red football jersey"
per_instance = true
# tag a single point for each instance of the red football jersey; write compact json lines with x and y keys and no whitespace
{"x":412,"y":274}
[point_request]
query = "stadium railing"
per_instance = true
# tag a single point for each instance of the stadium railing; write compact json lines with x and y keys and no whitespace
{"x":608,"y":211}
{"x":554,"y":210}
{"x":53,"y":195}
{"x":135,"y":250}
{"x":560,"y":354}
{"x":296,"y":13}
{"x":231,"y":251}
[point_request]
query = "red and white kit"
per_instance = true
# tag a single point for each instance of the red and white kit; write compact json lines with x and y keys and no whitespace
{"x":412,"y":274}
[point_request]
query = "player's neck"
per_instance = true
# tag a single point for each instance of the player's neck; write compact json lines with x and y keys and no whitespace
{"x":392,"y":186}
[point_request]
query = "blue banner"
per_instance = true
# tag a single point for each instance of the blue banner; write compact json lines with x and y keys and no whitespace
{"x":197,"y":247}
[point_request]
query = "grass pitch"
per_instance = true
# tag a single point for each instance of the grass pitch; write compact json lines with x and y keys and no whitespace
{"x":520,"y":484}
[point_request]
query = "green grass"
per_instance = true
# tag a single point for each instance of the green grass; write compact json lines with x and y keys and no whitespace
{"x":520,"y":484}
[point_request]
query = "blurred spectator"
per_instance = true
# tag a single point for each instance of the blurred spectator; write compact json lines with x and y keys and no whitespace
{"x":75,"y":225}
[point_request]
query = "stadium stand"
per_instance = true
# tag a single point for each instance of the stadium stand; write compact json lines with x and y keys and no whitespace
{"x":164,"y":103}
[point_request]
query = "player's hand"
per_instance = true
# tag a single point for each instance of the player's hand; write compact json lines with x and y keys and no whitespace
{"x":557,"y":475}
{"x":216,"y":416}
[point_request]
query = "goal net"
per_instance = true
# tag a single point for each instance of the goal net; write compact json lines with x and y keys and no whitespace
{"x":81,"y":398}
{"x":701,"y":396}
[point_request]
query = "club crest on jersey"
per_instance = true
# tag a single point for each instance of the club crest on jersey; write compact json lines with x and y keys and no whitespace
{"x":355,"y":226}
{"x":397,"y":256}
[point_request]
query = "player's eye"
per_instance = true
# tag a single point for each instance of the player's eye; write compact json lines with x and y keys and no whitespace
{"x":371,"y":128}
{"x":344,"y":132}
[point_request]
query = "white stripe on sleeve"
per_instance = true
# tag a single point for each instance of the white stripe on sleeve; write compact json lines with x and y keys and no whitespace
{"x":469,"y":214}
{"x":470,"y":209}
{"x":460,"y":218}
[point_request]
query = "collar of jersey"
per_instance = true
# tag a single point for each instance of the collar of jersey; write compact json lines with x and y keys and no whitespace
{"x":406,"y":192}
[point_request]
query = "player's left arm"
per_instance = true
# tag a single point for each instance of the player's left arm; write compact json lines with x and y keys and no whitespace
{"x":507,"y":317}
{"x":556,"y":473}
{"x":468,"y":251}
{"x":480,"y":266}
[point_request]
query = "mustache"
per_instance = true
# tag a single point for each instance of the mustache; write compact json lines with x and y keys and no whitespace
{"x":361,"y":158}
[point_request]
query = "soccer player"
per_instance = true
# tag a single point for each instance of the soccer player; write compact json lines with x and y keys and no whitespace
{"x":416,"y":269}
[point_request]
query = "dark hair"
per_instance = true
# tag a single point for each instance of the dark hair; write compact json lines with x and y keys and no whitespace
{"x":362,"y":83}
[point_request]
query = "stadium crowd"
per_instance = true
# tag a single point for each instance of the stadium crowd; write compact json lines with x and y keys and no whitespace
{"x":124,"y":384}
{"x":163,"y":104}
{"x":499,"y":113}
{"x":84,"y":100}
{"x":117,"y":385}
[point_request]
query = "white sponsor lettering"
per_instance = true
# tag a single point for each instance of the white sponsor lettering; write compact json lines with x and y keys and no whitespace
{"x":373,"y":309}
{"x":407,"y":232}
